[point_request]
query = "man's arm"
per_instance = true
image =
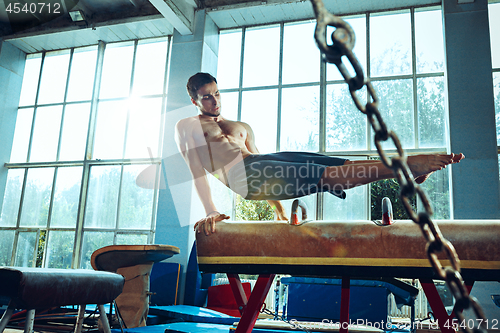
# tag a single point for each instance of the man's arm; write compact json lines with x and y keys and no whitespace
{"x":275,"y":205}
{"x":187,"y":147}
{"x":185,"y":143}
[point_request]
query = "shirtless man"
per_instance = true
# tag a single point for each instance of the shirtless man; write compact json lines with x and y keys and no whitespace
{"x":227,"y":150}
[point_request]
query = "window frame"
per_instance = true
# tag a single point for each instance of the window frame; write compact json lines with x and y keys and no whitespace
{"x":87,"y":162}
{"x":323,"y":83}
{"x":494,"y":71}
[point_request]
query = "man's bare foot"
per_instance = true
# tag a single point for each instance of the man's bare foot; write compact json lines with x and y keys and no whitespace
{"x":422,"y":166}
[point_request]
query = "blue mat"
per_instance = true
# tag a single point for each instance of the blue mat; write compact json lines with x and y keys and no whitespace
{"x":189,"y":327}
{"x":193,"y":319}
{"x":182,"y":327}
{"x":192,"y":327}
{"x":192,"y":314}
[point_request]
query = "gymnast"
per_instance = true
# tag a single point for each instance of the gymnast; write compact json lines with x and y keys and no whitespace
{"x":226,"y":149}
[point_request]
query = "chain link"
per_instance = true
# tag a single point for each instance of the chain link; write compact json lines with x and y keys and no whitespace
{"x":293,"y":325}
{"x":343,"y":40}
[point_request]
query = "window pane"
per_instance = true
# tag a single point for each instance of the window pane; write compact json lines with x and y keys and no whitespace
{"x":149,"y":74}
{"x":74,"y":132}
{"x":66,"y":197}
{"x":81,"y":78}
{"x":12,"y":198}
{"x":496,"y":84}
{"x":131,"y":239}
{"x":252,"y":210}
{"x":300,"y":119}
{"x":26,"y":245}
{"x":54,"y":77}
{"x":396,"y":108}
{"x":390,"y":44}
{"x":102,"y":197}
{"x":431,"y":113}
{"x":136,"y":204}
{"x":263,"y":119}
{"x":110,"y":130}
{"x":36,"y":199}
{"x":301,"y":56}
{"x":228,"y":69}
{"x":30,"y":79}
{"x":143,"y":132}
{"x":391,"y":189}
{"x":345,"y":125}
{"x":46,"y":134}
{"x":230,"y":105}
{"x":6,"y":246}
{"x":494,"y":19}
{"x":358,"y":24}
{"x":437,"y":188}
{"x":354,"y":207}
{"x":59,"y":250}
{"x":19,"y":152}
{"x":262,"y":50}
{"x":429,"y":41}
{"x":93,"y":241}
{"x":116,"y":70}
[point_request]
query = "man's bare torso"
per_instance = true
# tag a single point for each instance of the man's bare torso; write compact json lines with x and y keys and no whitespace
{"x":220,"y":143}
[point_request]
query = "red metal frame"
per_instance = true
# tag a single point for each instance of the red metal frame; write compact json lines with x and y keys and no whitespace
{"x":344,"y":304}
{"x":238,"y":292}
{"x":444,"y":320}
{"x":250,"y":309}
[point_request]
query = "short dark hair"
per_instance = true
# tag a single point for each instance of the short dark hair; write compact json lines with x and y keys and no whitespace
{"x":197,"y":81}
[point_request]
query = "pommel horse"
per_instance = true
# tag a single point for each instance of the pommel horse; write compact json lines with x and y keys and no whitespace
{"x":356,"y":249}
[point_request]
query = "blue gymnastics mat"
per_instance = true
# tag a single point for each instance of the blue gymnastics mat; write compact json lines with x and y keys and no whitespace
{"x":190,"y":327}
{"x":181,"y":327}
{"x":192,"y":314}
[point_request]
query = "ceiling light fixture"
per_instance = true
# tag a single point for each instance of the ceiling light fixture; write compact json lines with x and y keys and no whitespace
{"x":77,"y":15}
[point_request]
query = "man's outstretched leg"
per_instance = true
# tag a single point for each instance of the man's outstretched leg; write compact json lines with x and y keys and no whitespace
{"x":356,"y":173}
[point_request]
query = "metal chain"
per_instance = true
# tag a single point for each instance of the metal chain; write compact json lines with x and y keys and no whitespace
{"x":343,"y":40}
{"x":293,"y":325}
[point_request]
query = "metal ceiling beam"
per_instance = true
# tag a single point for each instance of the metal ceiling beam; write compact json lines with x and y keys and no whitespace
{"x":337,"y":7}
{"x":178,"y":12}
{"x":82,"y":4}
{"x":53,"y":29}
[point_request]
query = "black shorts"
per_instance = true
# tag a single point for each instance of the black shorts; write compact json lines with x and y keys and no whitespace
{"x":281,"y":176}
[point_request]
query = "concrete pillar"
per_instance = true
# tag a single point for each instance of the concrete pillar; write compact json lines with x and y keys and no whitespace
{"x":471,"y":110}
{"x":12,"y":61}
{"x":178,"y":204}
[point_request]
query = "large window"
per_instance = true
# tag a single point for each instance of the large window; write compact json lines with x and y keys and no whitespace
{"x":272,"y":78}
{"x":88,"y":124}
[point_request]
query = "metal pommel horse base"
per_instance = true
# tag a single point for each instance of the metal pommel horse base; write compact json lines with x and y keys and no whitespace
{"x":356,"y":249}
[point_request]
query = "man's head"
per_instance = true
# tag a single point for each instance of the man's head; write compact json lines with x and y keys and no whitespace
{"x":197,"y":81}
{"x":204,"y":93}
